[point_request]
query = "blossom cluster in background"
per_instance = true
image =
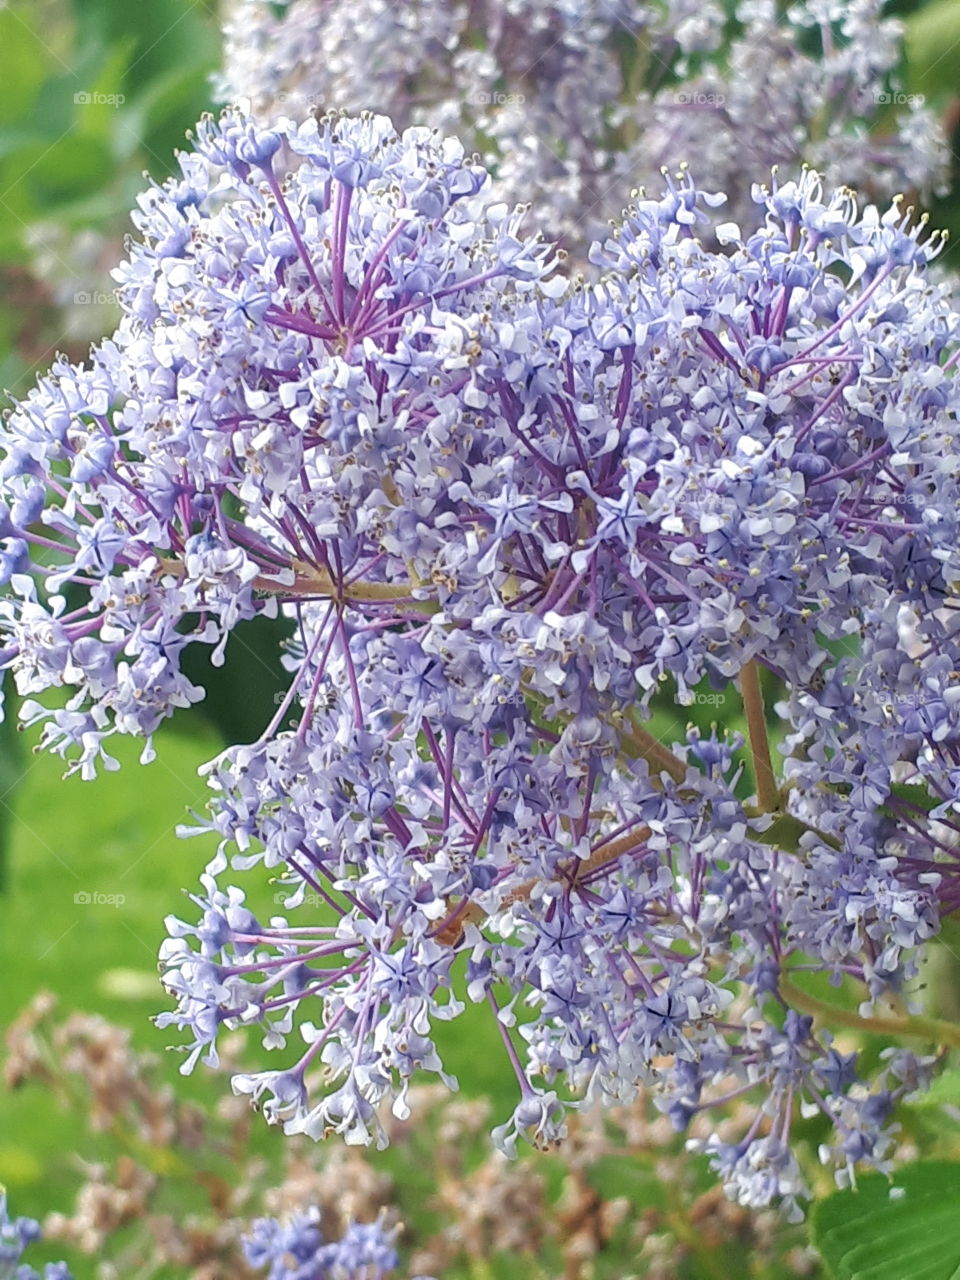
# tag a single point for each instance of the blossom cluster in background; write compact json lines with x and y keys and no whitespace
{"x":296,"y":1250}
{"x":440,"y":1197}
{"x":572,"y":104}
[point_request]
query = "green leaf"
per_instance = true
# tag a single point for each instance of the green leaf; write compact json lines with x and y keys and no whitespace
{"x":23,"y":137}
{"x":25,"y":65}
{"x":885,"y":1230}
{"x":102,"y":101}
{"x":933,"y":49}
{"x":944,"y":1092}
{"x":949,"y":933}
{"x":71,"y":167}
{"x":918,"y":796}
{"x":157,"y":118}
{"x":177,"y":32}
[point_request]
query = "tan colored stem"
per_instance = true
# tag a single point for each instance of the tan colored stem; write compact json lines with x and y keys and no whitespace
{"x":637,"y":742}
{"x":768,"y":793}
{"x":607,"y":853}
{"x":308,"y":580}
{"x":915,"y":1026}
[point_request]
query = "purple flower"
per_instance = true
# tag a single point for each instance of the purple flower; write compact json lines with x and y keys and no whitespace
{"x":16,"y":1235}
{"x":626,"y":514}
{"x":297,"y":1250}
{"x":242,"y":359}
{"x":519,"y":530}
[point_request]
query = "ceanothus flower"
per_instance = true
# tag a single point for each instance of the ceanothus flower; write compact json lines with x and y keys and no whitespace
{"x":16,"y":1236}
{"x":518,"y":527}
{"x":297,"y":1250}
{"x":681,"y":473}
{"x":267,"y":316}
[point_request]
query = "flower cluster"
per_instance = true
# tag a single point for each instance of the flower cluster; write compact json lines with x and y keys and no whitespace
{"x":16,"y":1235}
{"x":217,"y":390}
{"x":516,"y":525}
{"x":572,"y":103}
{"x":296,"y":1250}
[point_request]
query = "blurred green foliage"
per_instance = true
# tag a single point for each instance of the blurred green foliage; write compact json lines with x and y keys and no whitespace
{"x":933,"y":71}
{"x":92,"y":93}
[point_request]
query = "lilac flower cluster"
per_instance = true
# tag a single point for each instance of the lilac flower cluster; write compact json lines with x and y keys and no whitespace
{"x":16,"y":1235}
{"x":214,"y":395}
{"x":296,"y":1250}
{"x":574,"y":101}
{"x":516,"y":524}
